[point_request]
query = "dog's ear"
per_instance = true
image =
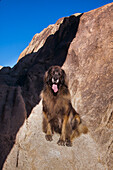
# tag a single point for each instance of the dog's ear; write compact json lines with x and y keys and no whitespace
{"x":64,"y":79}
{"x":47,"y":74}
{"x":50,"y":69}
{"x":46,"y":77}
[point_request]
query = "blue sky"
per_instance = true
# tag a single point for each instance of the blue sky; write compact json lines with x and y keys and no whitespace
{"x":20,"y":20}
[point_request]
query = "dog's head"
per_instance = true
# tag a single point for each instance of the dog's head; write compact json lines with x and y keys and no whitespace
{"x":55,"y":78}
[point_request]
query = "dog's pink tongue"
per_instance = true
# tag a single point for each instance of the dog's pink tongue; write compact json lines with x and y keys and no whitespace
{"x":55,"y":88}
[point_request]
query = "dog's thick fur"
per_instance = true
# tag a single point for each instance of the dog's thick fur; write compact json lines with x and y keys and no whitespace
{"x":58,"y":114}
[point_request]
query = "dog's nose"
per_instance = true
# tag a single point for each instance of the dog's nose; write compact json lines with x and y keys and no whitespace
{"x":55,"y":80}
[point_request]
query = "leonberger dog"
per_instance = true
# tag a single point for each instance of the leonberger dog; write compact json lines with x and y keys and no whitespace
{"x":58,"y":113}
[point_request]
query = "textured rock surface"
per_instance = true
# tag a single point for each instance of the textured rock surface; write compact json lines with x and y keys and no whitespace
{"x":83,"y":46}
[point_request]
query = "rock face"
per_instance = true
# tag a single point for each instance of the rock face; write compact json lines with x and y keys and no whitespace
{"x":83,"y":46}
{"x":39,"y":39}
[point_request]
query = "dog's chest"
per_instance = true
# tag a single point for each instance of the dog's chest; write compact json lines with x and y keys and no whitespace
{"x":56,"y":107}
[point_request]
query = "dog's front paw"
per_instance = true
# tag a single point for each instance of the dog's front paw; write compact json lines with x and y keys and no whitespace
{"x":68,"y":143}
{"x":61,"y":142}
{"x":48,"y":138}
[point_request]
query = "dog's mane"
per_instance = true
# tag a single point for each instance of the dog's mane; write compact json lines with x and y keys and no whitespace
{"x":63,"y":92}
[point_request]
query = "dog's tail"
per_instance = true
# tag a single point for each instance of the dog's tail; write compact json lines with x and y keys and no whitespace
{"x":78,"y":127}
{"x":82,"y":128}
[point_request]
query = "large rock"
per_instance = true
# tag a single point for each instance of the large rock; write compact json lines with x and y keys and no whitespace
{"x":83,"y":46}
{"x":39,"y":39}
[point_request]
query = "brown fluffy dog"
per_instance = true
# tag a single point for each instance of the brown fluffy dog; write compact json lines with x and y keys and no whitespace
{"x":58,"y":114}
